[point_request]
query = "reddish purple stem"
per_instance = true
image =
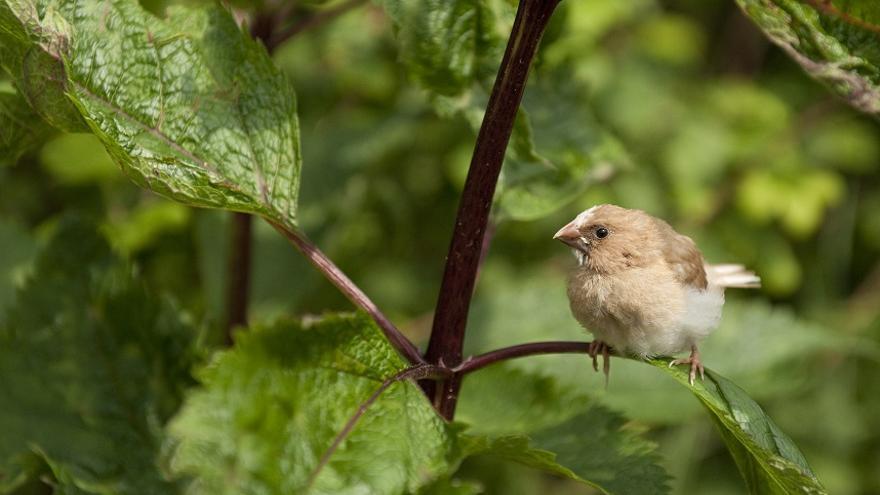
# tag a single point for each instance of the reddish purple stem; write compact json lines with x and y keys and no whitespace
{"x":351,"y":291}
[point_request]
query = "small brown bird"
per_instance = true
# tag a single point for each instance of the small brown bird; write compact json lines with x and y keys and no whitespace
{"x":642,"y":288}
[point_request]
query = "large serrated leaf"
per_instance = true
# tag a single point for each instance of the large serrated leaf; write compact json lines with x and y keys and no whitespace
{"x":92,"y":367}
{"x":838,"y":45}
{"x":533,"y":421}
{"x":767,"y":458}
{"x":189,"y":106}
{"x":271,"y":410}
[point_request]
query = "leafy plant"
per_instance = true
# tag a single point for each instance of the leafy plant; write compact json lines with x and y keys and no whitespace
{"x":192,"y":107}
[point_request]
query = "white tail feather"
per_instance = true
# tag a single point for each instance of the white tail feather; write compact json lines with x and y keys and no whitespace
{"x":734,"y":276}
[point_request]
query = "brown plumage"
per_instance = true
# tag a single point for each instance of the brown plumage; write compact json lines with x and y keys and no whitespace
{"x":641,"y":287}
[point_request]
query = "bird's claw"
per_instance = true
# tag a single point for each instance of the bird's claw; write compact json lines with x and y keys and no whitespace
{"x":594,"y":349}
{"x":696,"y":365}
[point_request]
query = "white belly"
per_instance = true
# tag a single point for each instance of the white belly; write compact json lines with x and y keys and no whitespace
{"x":644,"y":313}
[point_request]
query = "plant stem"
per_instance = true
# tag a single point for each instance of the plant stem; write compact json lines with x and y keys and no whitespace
{"x":350,"y":290}
{"x":262,"y":28}
{"x":559,"y":347}
{"x":239,"y":270}
{"x":462,"y":262}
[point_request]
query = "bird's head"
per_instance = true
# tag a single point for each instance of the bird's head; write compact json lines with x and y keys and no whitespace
{"x":607,"y":238}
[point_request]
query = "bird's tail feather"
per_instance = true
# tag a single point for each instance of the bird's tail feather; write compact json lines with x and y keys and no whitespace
{"x":734,"y":276}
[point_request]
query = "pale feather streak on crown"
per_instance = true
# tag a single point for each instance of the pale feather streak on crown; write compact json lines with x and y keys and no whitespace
{"x":585,"y":215}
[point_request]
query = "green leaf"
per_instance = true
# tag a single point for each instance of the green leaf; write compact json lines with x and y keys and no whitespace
{"x":557,"y":150}
{"x":99,"y":365}
{"x":512,"y":313}
{"x":189,"y":106}
{"x":838,"y":46}
{"x":767,"y":458}
{"x":452,"y":487}
{"x":270,"y":411}
{"x":533,"y":421}
{"x":146,"y":224}
{"x":30,"y":46}
{"x":20,"y":129}
{"x":443,"y":43}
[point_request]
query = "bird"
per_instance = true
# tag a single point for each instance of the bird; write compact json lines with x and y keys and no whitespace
{"x":642,"y":289}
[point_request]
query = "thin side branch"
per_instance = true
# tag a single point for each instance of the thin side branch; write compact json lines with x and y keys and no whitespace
{"x":522,"y":350}
{"x":463,"y":260}
{"x":350,"y":290}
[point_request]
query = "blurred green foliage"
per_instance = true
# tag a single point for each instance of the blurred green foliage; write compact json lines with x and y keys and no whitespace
{"x":110,"y":362}
{"x":703,"y":122}
{"x":270,"y":408}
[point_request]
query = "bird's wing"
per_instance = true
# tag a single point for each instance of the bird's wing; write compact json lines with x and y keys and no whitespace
{"x":685,"y":260}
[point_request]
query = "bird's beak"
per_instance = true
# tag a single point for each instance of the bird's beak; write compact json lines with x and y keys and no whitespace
{"x":571,"y":236}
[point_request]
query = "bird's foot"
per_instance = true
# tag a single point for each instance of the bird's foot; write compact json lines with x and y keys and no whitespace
{"x":694,"y":361}
{"x":595,"y":348}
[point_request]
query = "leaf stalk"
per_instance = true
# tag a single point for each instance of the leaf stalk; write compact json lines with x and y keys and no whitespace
{"x":351,"y":291}
{"x":239,"y":270}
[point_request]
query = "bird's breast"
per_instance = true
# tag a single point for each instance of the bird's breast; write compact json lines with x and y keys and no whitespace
{"x":640,"y":310}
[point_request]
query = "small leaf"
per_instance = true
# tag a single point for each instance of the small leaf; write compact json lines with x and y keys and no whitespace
{"x":838,"y":46}
{"x":533,"y":421}
{"x":767,"y":458}
{"x":143,"y":226}
{"x":188,"y":106}
{"x":271,"y":410}
{"x":443,"y":43}
{"x":99,"y":365}
{"x":558,"y":150}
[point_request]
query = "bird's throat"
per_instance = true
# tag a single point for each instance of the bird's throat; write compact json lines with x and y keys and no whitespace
{"x":580,"y":255}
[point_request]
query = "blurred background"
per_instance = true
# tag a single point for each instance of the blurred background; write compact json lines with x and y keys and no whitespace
{"x":678,"y":107}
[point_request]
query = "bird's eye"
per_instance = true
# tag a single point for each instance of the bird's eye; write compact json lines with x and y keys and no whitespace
{"x":601,"y":232}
